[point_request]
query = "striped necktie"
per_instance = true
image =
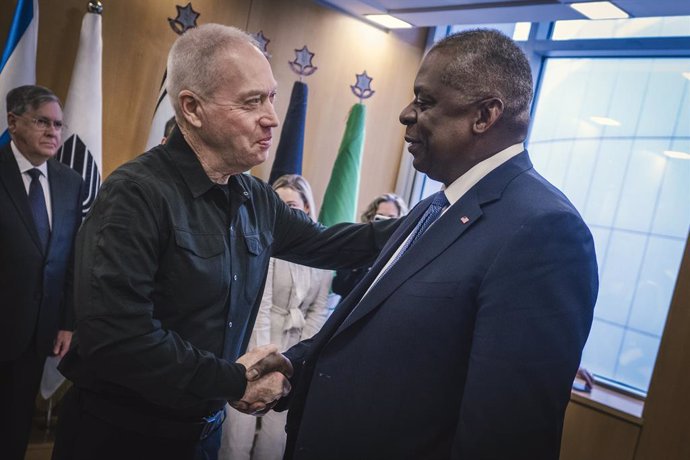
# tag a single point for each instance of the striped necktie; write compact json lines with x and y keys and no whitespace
{"x":37,"y":201}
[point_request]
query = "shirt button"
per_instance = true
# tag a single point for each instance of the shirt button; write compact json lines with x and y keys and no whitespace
{"x":234,"y":277}
{"x":230,"y":324}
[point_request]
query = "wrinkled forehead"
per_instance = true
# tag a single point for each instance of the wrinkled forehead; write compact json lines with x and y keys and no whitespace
{"x":243,"y":68}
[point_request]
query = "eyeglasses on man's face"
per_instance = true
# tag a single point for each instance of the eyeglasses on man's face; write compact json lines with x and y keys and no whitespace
{"x":43,"y":123}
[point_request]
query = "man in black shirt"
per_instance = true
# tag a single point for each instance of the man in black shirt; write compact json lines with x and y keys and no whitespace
{"x":171,"y":264}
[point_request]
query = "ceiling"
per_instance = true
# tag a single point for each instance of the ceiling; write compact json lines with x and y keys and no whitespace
{"x":425,"y":13}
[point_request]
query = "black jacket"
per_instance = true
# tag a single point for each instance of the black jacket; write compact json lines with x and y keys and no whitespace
{"x":170,"y":271}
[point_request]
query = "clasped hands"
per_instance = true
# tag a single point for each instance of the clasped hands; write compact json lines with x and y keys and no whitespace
{"x":267,"y":380}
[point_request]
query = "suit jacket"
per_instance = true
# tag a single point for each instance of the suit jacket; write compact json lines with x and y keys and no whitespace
{"x":467,"y":347}
{"x":35,"y":287}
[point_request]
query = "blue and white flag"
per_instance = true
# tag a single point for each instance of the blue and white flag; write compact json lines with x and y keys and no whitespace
{"x":82,"y":145}
{"x":18,"y":64}
{"x":164,"y":111}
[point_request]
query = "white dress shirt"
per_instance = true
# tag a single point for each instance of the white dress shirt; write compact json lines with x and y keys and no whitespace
{"x":24,"y":166}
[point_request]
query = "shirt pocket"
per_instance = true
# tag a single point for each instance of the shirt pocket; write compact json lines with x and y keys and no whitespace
{"x":258,"y":243}
{"x":200,"y":276}
{"x":258,"y":248}
{"x":201,"y":245}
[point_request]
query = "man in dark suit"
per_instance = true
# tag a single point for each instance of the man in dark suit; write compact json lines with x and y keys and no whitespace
{"x":463,"y":340}
{"x":40,"y":211}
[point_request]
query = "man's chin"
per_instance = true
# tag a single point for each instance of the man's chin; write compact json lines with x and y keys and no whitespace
{"x":419,"y":165}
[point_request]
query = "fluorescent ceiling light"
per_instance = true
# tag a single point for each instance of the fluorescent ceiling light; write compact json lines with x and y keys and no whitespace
{"x":388,"y":21}
{"x":686,"y":75}
{"x":521,"y":31}
{"x":605,"y":121}
{"x":676,"y":154}
{"x":599,"y":10}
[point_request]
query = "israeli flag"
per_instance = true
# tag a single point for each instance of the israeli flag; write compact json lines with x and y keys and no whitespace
{"x":18,"y":64}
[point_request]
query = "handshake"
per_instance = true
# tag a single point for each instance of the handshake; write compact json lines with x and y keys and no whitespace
{"x":267,"y":380}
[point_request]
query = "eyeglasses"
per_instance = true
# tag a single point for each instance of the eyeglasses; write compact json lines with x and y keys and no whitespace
{"x":43,"y":123}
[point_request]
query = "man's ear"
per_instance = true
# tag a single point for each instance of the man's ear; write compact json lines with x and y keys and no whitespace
{"x":190,"y":108}
{"x":11,"y":122}
{"x":490,"y":111}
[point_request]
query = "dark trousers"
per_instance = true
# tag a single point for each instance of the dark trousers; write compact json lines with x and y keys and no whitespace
{"x":82,"y":435}
{"x":19,"y":381}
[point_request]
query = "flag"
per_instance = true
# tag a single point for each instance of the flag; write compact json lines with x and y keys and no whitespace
{"x":288,"y":158}
{"x":18,"y":64}
{"x":340,"y":199}
{"x":83,"y":115}
{"x":164,"y":111}
{"x":83,"y":144}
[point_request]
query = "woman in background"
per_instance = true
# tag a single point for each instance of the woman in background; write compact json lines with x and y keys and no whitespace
{"x":293,"y":308}
{"x":386,"y":206}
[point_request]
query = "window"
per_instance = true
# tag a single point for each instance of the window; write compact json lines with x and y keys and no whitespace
{"x":677,"y":26}
{"x":614,"y":135}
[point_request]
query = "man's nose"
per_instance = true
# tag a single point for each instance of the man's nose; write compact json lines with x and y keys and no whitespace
{"x":408,"y":116}
{"x":270,"y":118}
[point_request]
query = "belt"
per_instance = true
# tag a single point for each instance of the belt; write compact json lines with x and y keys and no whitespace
{"x":148,"y":424}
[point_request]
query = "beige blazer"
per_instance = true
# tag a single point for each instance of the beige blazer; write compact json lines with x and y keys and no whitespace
{"x":293,"y":306}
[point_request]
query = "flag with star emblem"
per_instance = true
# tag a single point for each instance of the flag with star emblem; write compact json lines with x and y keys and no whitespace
{"x":288,"y":158}
{"x":185,"y":20}
{"x":340,"y":199}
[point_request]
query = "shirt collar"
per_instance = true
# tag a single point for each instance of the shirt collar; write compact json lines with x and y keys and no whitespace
{"x":190,"y":167}
{"x":462,"y":184}
{"x":24,"y":164}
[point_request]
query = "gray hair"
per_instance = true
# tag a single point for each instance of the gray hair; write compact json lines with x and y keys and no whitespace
{"x":193,"y":61}
{"x":300,"y":185}
{"x":486,"y":63}
{"x":23,"y":98}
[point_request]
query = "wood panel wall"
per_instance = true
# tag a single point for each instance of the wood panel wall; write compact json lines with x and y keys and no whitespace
{"x":589,"y":434}
{"x":137,"y":37}
{"x":666,"y":430}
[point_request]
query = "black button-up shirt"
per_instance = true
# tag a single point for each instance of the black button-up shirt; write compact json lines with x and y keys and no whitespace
{"x":169,"y":275}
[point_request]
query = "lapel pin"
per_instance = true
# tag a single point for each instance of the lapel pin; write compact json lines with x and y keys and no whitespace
{"x":464,"y":219}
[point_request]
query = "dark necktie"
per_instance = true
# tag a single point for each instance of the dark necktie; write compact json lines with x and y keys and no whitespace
{"x":37,"y":201}
{"x":430,"y":215}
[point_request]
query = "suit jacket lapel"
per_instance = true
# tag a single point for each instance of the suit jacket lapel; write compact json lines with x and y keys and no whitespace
{"x":448,"y":228}
{"x":433,"y":242}
{"x":11,"y":178}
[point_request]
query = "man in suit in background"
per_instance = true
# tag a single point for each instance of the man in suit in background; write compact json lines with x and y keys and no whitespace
{"x":463,"y":340}
{"x":40,"y":211}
